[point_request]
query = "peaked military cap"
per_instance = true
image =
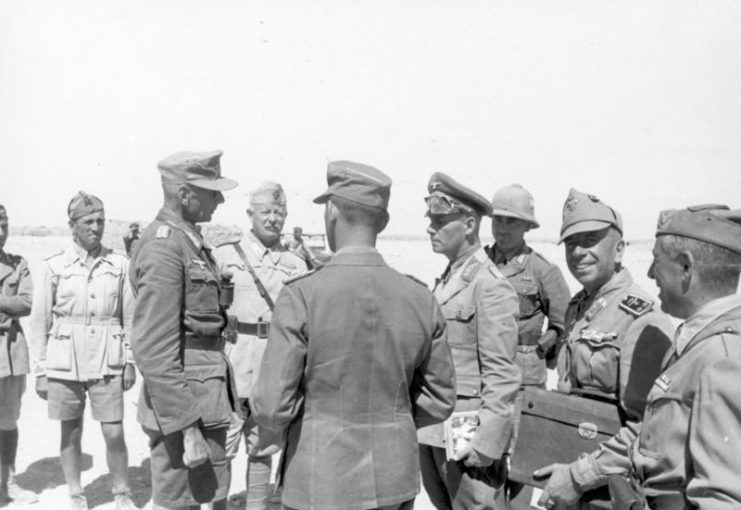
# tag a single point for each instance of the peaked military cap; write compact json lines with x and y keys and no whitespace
{"x":358,"y":183}
{"x":583,"y":212}
{"x":448,"y":195}
{"x":83,"y":204}
{"x":711,"y":223}
{"x":201,"y":169}
{"x":268,"y":192}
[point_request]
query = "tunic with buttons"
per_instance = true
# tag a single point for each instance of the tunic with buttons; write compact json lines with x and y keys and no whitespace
{"x":690,"y":442}
{"x":614,"y":343}
{"x":81,"y":316}
{"x":177,"y":291}
{"x":15,"y":302}
{"x":273,"y":266}
{"x":543,"y":294}
{"x":480,"y":309}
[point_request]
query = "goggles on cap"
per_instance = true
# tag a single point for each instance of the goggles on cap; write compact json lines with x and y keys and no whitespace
{"x":443,"y":204}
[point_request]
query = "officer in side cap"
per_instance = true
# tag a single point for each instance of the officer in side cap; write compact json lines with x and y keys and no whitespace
{"x":80,"y":326}
{"x":481,"y":309}
{"x":688,"y":452}
{"x":613,"y":345}
{"x":16,"y":290}
{"x":356,"y":359}
{"x":260,"y":264}
{"x":186,"y":403}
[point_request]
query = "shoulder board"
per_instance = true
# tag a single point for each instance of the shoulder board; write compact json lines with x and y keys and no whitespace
{"x":417,"y":280}
{"x":222,"y":240}
{"x":636,"y":305}
{"x":542,"y":257}
{"x":471,"y":268}
{"x":57,"y":254}
{"x":163,"y":232}
{"x":300,"y":276}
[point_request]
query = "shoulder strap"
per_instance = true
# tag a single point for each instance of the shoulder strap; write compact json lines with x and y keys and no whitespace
{"x":258,"y":283}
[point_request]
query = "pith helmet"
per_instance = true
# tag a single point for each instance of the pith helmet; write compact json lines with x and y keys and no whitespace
{"x":514,"y":201}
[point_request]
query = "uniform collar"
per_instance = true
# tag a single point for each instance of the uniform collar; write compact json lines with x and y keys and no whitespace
{"x":76,"y":253}
{"x":518,"y":257}
{"x":260,"y":250}
{"x":696,"y":322}
{"x":619,"y":281}
{"x":167,"y":216}
{"x":357,"y":255}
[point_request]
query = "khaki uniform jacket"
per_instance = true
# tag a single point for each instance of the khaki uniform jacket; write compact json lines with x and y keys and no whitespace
{"x":614,"y":344}
{"x":543,"y":294}
{"x":273,"y":267}
{"x":691,"y":435}
{"x":177,"y":292}
{"x":81,"y":316}
{"x":480,"y":308}
{"x":15,"y":302}
{"x":356,"y":360}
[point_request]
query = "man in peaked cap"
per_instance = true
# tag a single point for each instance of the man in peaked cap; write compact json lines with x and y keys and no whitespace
{"x":15,"y":302}
{"x":356,"y":359}
{"x":541,"y":289}
{"x":186,"y":403}
{"x":481,"y":309}
{"x":80,"y":327}
{"x":260,"y":264}
{"x":613,"y":345}
{"x":687,"y":455}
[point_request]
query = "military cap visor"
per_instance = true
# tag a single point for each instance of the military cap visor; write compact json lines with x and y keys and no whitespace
{"x":441,"y":184}
{"x":441,"y":204}
{"x":584,"y":212}
{"x":514,"y":214}
{"x":711,"y":223}
{"x":199,"y":169}
{"x":585,"y":226}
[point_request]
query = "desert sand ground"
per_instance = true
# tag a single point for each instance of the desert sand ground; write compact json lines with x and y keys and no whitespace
{"x":38,"y":455}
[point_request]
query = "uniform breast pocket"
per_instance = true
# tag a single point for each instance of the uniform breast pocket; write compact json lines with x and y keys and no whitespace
{"x":59,"y":348}
{"x":115,"y":354}
{"x":110,"y":280}
{"x":529,"y":299}
{"x":208,"y":385}
{"x":201,"y":289}
{"x":599,"y":353}
{"x":461,"y":324}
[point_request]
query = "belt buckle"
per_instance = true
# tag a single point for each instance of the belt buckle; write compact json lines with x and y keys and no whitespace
{"x":262,"y":329}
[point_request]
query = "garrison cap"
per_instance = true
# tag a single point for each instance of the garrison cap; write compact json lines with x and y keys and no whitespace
{"x":200,"y":169}
{"x":583,"y":212}
{"x":447,"y":195}
{"x":711,"y":223}
{"x":268,"y":192}
{"x":358,"y":183}
{"x":83,"y":204}
{"x":514,"y":201}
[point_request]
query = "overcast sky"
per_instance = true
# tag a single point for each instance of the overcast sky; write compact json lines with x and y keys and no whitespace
{"x":636,"y":102}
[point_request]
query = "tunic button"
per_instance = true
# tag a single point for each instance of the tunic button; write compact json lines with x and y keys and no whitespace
{"x":92,"y":296}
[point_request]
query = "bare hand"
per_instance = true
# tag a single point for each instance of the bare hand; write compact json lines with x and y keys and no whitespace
{"x":129,"y":377}
{"x":560,"y":489}
{"x":195,"y":448}
{"x":472,"y":458}
{"x":42,"y":386}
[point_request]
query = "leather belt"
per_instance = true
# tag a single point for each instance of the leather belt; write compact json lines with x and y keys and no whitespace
{"x":258,"y":329}
{"x":527,"y":348}
{"x":204,"y":343}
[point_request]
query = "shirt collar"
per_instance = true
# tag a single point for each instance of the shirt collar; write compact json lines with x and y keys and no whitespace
{"x":78,"y":253}
{"x":702,"y":317}
{"x":260,"y":250}
{"x":499,"y":257}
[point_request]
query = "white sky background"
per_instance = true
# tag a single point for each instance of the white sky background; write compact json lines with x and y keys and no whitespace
{"x":636,"y":102}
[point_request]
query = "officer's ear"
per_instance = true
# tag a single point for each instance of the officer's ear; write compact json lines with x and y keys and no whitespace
{"x":184,"y":192}
{"x":472,"y":223}
{"x":619,"y":246}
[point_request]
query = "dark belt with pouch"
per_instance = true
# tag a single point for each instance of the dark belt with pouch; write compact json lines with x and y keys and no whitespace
{"x":258,"y":329}
{"x":204,"y":343}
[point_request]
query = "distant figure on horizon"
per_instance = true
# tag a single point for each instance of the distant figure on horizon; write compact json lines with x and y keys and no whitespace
{"x":356,"y":360}
{"x":15,"y":302}
{"x":80,"y":327}
{"x":131,"y":238}
{"x":296,"y":245}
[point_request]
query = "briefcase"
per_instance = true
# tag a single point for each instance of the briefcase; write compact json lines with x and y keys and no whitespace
{"x":556,"y":427}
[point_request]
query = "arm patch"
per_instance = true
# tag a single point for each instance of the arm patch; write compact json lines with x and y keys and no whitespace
{"x":636,"y":305}
{"x":163,"y":232}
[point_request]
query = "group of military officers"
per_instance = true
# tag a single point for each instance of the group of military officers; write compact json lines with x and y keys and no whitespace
{"x":353,"y":368}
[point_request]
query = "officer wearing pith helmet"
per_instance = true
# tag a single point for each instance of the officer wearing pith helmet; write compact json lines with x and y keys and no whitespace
{"x":178,"y":338}
{"x":355,"y":360}
{"x":541,"y":289}
{"x":614,"y":342}
{"x":481,"y":309}
{"x":687,"y":455}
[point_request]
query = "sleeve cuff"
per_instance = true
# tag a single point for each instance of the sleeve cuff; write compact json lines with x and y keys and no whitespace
{"x":584,"y":473}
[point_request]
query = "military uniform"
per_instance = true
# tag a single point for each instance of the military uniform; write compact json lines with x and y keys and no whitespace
{"x":178,"y":343}
{"x":543,"y":293}
{"x":355,"y":360}
{"x":82,"y":316}
{"x":15,"y":302}
{"x":614,"y":343}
